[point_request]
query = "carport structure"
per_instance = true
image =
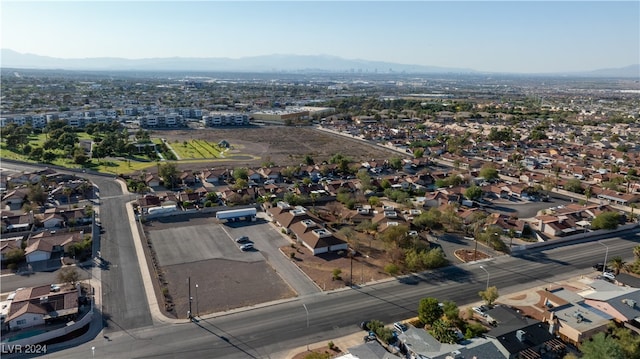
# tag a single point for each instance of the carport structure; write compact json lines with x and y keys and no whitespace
{"x":233,"y":214}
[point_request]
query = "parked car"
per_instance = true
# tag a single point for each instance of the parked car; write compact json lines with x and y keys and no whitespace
{"x":400,"y":327}
{"x":246,"y":246}
{"x":364,"y":325}
{"x":600,"y":267}
{"x":55,"y":288}
{"x":370,"y":337}
{"x":608,"y":275}
{"x":243,"y":239}
{"x":481,"y":310}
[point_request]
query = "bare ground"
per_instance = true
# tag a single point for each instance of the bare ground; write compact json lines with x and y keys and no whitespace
{"x":282,"y":145}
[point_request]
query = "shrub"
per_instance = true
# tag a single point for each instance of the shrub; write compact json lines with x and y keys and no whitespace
{"x":474,"y":329}
{"x":336,"y":274}
{"x":391,"y":269}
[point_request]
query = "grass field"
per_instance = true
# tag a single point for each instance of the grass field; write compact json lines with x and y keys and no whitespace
{"x":195,"y":149}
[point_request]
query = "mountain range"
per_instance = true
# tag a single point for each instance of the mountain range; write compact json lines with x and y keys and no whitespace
{"x":266,"y":63}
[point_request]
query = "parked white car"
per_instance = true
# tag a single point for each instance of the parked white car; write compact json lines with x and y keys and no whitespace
{"x":608,"y":275}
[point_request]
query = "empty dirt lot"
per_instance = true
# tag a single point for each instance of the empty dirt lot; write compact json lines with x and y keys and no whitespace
{"x":279,"y":144}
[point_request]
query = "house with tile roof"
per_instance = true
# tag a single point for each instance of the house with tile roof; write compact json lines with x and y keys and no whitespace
{"x":44,"y":245}
{"x":35,"y":306}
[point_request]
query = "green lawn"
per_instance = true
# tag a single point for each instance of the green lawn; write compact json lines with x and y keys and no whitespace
{"x":195,"y":149}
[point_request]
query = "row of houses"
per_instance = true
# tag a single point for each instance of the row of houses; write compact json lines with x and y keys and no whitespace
{"x":306,"y":228}
{"x":561,"y":316}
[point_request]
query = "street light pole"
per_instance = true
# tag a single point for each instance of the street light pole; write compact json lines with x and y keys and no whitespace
{"x":305,"y":309}
{"x":197,"y":308}
{"x":190,"y":298}
{"x":604,"y":265}
{"x":484,"y":269}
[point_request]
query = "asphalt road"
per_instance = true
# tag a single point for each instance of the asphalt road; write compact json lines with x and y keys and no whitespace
{"x":271,"y":331}
{"x":13,"y":282}
{"x":124,"y":300}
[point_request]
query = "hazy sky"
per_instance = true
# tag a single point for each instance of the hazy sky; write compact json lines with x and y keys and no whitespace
{"x":502,"y":36}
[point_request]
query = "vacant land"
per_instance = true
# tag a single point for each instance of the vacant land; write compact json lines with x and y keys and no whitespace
{"x":252,"y":146}
{"x":199,"y":248}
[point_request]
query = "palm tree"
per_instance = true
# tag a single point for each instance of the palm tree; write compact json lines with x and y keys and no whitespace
{"x":618,"y":264}
{"x":636,"y":252}
{"x":67,"y":191}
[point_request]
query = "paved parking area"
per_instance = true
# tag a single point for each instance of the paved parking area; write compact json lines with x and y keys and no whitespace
{"x":204,"y":250}
{"x":194,"y":243}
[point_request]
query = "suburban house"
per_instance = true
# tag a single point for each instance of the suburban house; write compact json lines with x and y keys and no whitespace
{"x":420,"y":344}
{"x":566,"y":312}
{"x":507,"y":223}
{"x":14,"y":199}
{"x":318,"y":239}
{"x":306,"y":229}
{"x":152,"y":180}
{"x":517,"y":336}
{"x":44,"y":245}
{"x":35,"y":306}
{"x":620,"y":303}
{"x":17,"y":223}
{"x":9,"y":244}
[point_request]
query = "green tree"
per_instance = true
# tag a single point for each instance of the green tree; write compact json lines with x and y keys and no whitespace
{"x":617,"y":264}
{"x":37,"y":194}
{"x":628,"y":341}
{"x":429,"y":310}
{"x":473,"y":193}
{"x":169,"y":174}
{"x":574,"y":185}
{"x":606,"y":220}
{"x":240,"y":173}
{"x":14,"y":256}
{"x":428,"y":220}
{"x":601,"y":346}
{"x":488,"y":172}
{"x":418,"y":153}
{"x":374,"y":201}
{"x":490,"y":295}
{"x":395,"y":163}
{"x":441,"y":330}
{"x":308,"y":160}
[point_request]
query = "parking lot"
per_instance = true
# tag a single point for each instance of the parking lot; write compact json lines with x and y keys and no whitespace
{"x":204,"y":250}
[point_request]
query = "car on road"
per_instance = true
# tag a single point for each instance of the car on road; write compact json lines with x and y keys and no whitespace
{"x":247,"y":246}
{"x":243,"y":239}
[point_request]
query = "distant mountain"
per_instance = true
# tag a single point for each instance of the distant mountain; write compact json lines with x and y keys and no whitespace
{"x":267,"y":63}
{"x":628,"y":71}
